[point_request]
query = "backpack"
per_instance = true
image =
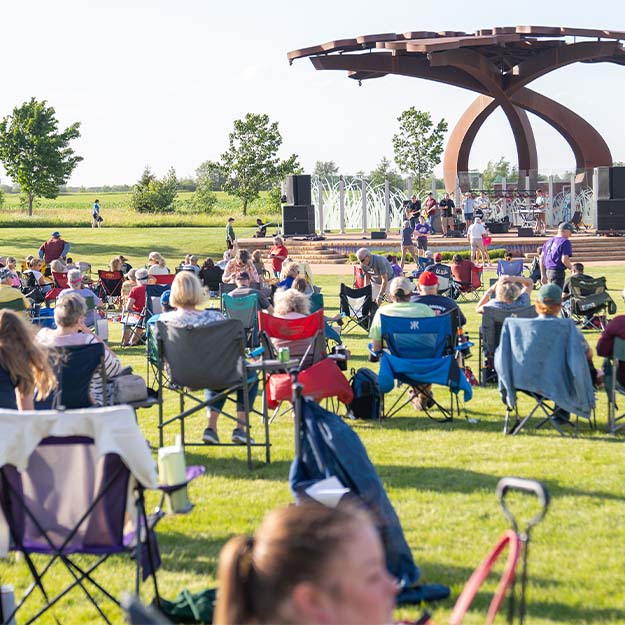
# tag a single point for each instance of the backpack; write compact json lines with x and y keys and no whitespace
{"x":367,"y":402}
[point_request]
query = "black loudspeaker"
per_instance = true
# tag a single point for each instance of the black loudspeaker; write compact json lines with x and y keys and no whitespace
{"x":526,"y":232}
{"x":498,"y":227}
{"x":611,"y":214}
{"x":298,"y":190}
{"x":378,"y":235}
{"x":617,"y":183}
{"x":298,"y":220}
{"x":603,"y":178}
{"x":454,"y":234}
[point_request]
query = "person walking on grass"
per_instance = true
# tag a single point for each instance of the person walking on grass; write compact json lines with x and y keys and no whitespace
{"x":230,"y":236}
{"x":95,"y":214}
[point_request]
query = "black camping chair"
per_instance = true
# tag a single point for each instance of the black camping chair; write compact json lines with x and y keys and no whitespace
{"x":590,"y":303}
{"x":222,"y":369}
{"x":75,"y":369}
{"x":490,"y":333}
{"x":357,"y":307}
{"x":614,"y":387}
{"x":109,"y":287}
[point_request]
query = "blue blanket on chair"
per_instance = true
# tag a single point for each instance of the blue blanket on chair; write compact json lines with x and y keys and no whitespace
{"x":444,"y":371}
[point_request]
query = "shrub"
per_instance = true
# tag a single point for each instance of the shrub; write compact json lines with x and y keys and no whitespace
{"x":151,"y":195}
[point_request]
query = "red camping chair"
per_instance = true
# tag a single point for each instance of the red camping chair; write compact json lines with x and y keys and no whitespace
{"x":60,"y":283}
{"x":468,"y":280}
{"x":110,"y":286}
{"x":305,"y":337}
{"x":166,"y":278}
{"x":359,"y":277}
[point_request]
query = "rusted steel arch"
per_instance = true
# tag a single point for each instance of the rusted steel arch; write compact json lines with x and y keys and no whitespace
{"x":588,"y":146}
{"x":495,"y":62}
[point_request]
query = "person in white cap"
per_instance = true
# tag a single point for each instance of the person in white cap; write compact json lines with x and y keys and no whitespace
{"x":74,"y":279}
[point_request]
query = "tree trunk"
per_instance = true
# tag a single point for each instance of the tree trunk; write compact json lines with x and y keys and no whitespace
{"x":245,"y":207}
{"x":30,"y":204}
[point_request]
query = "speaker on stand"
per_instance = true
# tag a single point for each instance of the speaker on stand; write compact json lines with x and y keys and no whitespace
{"x":298,"y":220}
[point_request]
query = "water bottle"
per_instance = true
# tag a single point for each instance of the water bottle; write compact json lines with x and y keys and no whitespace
{"x":7,"y":601}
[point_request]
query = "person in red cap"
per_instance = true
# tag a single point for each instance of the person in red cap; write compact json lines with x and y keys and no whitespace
{"x":428,"y":295}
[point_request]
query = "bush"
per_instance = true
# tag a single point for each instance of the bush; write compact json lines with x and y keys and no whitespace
{"x":151,"y":195}
{"x":447,"y":256}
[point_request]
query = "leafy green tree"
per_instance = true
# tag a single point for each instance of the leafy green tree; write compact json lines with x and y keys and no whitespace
{"x":384,"y":170}
{"x":419,"y":144}
{"x":204,"y":199}
{"x":326,"y":169}
{"x":1,"y":198}
{"x":251,"y":162}
{"x":151,"y":195}
{"x":35,"y":154}
{"x":494,"y":170}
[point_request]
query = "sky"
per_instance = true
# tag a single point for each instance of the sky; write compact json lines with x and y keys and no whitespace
{"x":160,"y":83}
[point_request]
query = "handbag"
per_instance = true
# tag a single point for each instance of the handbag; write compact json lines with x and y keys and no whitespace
{"x":190,"y":607}
{"x":128,"y":388}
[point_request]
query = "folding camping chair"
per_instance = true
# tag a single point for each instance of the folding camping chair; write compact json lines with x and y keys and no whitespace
{"x":510,"y":267}
{"x":545,"y":359}
{"x":446,"y":284}
{"x":319,"y":373}
{"x":138,"y":321}
{"x":420,"y":352}
{"x":163,"y":279}
{"x":110,"y":287}
{"x":68,"y":490}
{"x":468,"y":281}
{"x":74,"y":370}
{"x":331,"y":333}
{"x":221,"y":369}
{"x":613,"y":386}
{"x":590,"y":303}
{"x":60,"y":283}
{"x":245,"y":309}
{"x":423,"y":262}
{"x":359,"y":277}
{"x":357,"y":307}
{"x":490,"y":333}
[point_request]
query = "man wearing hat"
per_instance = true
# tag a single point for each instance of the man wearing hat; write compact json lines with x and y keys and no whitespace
{"x":8,"y":293}
{"x":55,"y":247}
{"x":427,"y":286}
{"x":556,"y":255}
{"x":75,"y":281}
{"x":230,"y":236}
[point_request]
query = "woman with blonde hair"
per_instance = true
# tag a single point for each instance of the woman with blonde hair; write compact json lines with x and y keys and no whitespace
{"x":115,"y":264}
{"x":290,"y":271}
{"x":306,"y":564}
{"x":158,"y":266}
{"x":25,"y":370}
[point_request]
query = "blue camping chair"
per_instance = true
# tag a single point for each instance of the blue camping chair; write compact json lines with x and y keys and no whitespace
{"x":420,"y":352}
{"x":510,"y":267}
{"x":245,"y":309}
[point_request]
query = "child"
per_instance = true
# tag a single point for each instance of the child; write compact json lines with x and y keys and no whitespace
{"x":422,"y":229}
{"x":257,"y":260}
{"x":397,"y":270}
{"x":407,"y":244}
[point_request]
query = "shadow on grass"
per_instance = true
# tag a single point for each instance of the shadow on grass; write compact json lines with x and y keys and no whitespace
{"x":186,"y":553}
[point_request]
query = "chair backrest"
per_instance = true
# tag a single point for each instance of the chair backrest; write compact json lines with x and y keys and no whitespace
{"x":417,"y":337}
{"x":582,"y":286}
{"x":618,"y":349}
{"x":424,"y":262}
{"x":510,"y":267}
{"x":152,"y":292}
{"x":211,"y":277}
{"x":60,"y":279}
{"x":304,"y":336}
{"x":75,"y":368}
{"x":356,"y":303}
{"x":359,"y":277}
{"x":221,"y":344}
{"x":316,"y":302}
{"x":67,"y":499}
{"x":166,"y":278}
{"x":444,"y":275}
{"x":468,"y":275}
{"x":492,"y":323}
{"x":244,"y":309}
{"x":111,"y":282}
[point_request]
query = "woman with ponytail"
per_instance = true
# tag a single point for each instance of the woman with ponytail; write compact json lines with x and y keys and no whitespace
{"x":306,"y":564}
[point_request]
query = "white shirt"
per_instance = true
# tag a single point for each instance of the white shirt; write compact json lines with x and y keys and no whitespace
{"x":476,"y":231}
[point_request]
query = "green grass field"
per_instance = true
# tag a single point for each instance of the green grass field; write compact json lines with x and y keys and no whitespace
{"x":440,"y":478}
{"x":74,"y":210}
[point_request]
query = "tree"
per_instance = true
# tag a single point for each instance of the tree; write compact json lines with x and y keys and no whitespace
{"x":151,"y":195}
{"x":33,"y":151}
{"x":204,"y":199}
{"x":383,"y":171}
{"x":494,"y":170}
{"x":419,"y":144}
{"x":251,"y":162}
{"x":326,"y":169}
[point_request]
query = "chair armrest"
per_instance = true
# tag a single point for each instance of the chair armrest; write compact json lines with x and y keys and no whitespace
{"x":374,"y":356}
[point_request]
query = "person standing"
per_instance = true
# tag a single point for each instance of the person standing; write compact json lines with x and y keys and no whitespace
{"x":278,"y":254}
{"x":556,"y":255}
{"x":230,"y":236}
{"x":447,"y":207}
{"x":377,"y":272}
{"x":413,"y":209}
{"x":430,"y":210}
{"x":475,"y":233}
{"x":407,"y":244}
{"x":95,"y":214}
{"x":55,"y":247}
{"x":422,"y":230}
{"x":468,"y":208}
{"x":540,"y":207}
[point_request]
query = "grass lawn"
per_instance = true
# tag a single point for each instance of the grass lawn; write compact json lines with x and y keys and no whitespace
{"x":440,"y":478}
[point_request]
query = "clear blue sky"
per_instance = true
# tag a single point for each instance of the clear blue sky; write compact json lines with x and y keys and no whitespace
{"x":161,"y":82}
